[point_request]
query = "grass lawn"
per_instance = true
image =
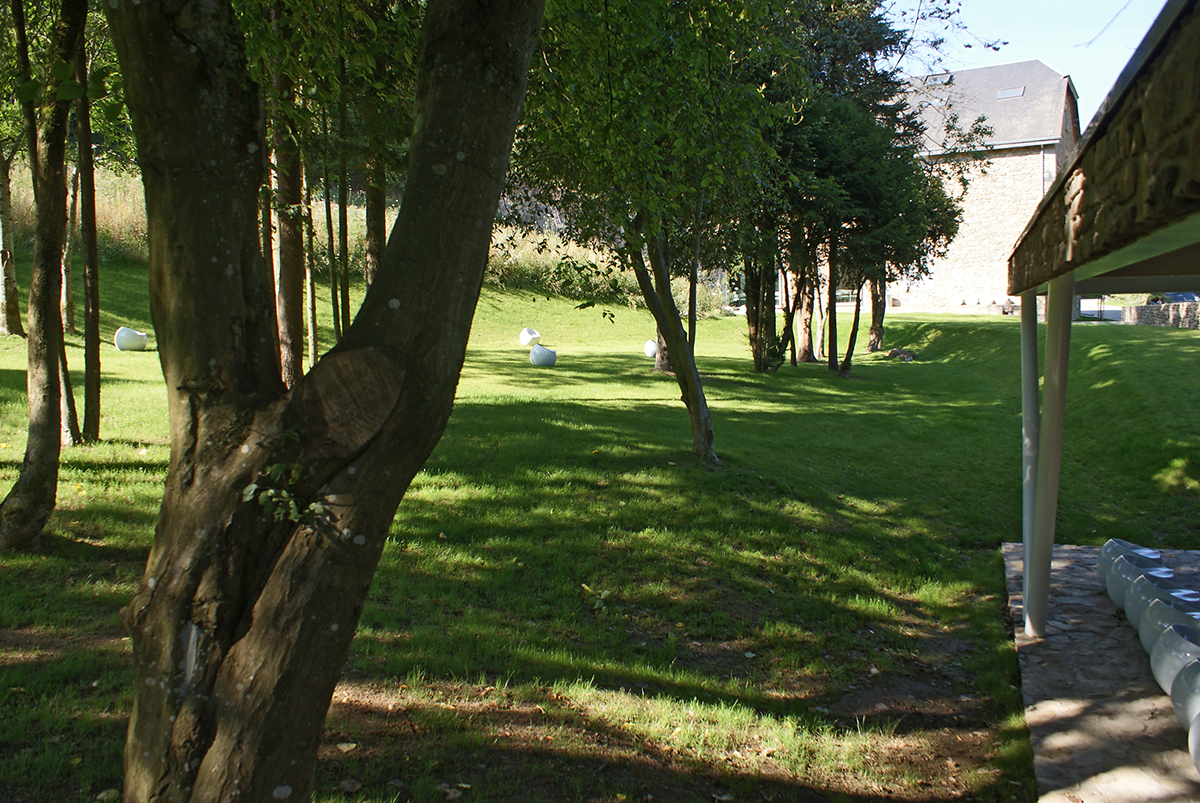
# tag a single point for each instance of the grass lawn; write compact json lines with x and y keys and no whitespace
{"x":572,"y":608}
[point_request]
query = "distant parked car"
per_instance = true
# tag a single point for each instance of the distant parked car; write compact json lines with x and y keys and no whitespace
{"x":1173,"y":298}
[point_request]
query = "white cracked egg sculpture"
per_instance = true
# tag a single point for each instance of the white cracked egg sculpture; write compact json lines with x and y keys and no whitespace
{"x":541,"y":356}
{"x":127,"y":339}
{"x":530,"y":336}
{"x":650,"y":349}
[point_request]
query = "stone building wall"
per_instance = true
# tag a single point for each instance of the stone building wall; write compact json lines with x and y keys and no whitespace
{"x":1139,"y":173}
{"x":998,"y":204}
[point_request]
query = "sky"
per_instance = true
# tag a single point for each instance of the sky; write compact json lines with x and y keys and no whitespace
{"x":1089,"y":40}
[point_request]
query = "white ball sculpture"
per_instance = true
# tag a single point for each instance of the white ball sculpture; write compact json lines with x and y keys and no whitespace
{"x":127,"y":339}
{"x":651,"y":349}
{"x":530,"y":336}
{"x":542,"y":357}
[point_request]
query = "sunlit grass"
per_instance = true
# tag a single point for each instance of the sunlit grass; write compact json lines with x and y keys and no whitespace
{"x":563,"y":549}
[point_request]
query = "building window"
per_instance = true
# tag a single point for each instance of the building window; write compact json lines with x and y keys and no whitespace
{"x":1011,"y":92}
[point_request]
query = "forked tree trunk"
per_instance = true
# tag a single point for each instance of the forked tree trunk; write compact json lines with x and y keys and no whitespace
{"x":91,"y":259}
{"x":27,"y":508}
{"x":241,"y":627}
{"x":656,"y":290}
{"x":878,"y":309}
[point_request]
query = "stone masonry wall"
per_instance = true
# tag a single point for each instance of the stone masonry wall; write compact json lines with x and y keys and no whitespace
{"x":998,"y":204}
{"x":1137,"y":175}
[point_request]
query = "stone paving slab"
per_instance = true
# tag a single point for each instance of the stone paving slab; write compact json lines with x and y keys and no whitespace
{"x":1102,"y":730}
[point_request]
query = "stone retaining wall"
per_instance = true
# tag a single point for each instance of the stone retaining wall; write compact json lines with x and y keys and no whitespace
{"x":1178,"y":316}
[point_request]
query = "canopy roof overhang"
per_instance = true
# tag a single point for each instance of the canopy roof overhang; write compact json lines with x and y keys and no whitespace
{"x":1123,"y":217}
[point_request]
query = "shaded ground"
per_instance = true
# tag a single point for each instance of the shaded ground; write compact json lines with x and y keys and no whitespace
{"x":476,"y":742}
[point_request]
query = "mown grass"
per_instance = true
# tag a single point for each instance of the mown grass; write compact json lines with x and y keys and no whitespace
{"x":564,"y":560}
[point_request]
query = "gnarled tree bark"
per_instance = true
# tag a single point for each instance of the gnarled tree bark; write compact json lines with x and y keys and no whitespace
{"x":243,"y":621}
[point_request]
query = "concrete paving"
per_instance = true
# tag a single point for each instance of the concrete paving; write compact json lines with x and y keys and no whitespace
{"x":1101,"y":728}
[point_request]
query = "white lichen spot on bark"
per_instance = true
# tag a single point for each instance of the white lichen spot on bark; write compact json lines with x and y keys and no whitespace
{"x":394,"y":303}
{"x":334,"y":627}
{"x":360,"y":539}
{"x":439,"y":170}
{"x":282,"y":792}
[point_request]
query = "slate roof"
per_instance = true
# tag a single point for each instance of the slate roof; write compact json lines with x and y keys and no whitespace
{"x":1024,"y":102}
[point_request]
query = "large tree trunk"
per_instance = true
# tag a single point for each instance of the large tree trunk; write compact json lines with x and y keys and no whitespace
{"x":10,"y":303}
{"x":27,"y":508}
{"x":91,"y":259}
{"x":878,"y":309}
{"x":241,"y":628}
{"x":656,"y":291}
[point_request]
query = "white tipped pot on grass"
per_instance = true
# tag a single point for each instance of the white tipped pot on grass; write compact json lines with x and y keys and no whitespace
{"x":127,"y":339}
{"x":541,"y":356}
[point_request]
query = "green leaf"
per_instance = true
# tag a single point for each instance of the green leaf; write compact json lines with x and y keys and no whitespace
{"x":70,"y":90}
{"x":62,"y":71}
{"x":28,"y":90}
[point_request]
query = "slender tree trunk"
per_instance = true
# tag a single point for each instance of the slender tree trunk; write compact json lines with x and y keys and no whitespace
{"x":10,"y":302}
{"x":91,"y":259}
{"x":768,"y":264}
{"x":694,"y":274}
{"x":791,"y":296}
{"x":376,"y":215}
{"x":27,"y":508}
{"x":878,"y":309}
{"x":289,"y":194}
{"x":343,"y":201}
{"x":752,"y":287}
{"x":831,"y":312}
{"x":326,"y":187}
{"x":844,"y":368}
{"x":310,"y":274}
{"x":656,"y":290}
{"x":71,"y":436}
{"x":241,"y":628}
{"x":68,"y":297}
